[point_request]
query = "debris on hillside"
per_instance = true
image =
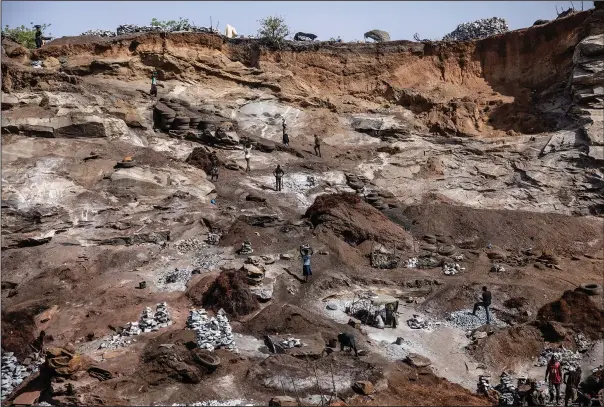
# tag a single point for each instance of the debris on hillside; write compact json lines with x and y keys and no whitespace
{"x":478,"y":29}
{"x":182,"y":26}
{"x":465,"y":320}
{"x":149,"y":322}
{"x":100,"y":33}
{"x":173,"y":280}
{"x":451,"y":269}
{"x":211,"y":333}
{"x":567,"y":358}
{"x":13,"y":372}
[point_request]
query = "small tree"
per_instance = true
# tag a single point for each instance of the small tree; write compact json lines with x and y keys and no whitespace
{"x":273,"y":29}
{"x":25,"y":36}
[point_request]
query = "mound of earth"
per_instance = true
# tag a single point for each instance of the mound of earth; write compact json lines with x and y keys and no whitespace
{"x":503,"y":228}
{"x":230,"y":292}
{"x":19,"y":329}
{"x":355,"y":221}
{"x":577,"y":311}
{"x":289,"y":319}
{"x":200,"y":158}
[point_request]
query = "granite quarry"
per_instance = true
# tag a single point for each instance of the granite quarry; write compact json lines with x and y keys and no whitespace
{"x":443,"y":169}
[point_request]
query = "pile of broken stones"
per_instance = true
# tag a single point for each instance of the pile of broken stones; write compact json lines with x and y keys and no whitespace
{"x":149,"y":322}
{"x":13,"y":372}
{"x":478,"y":29}
{"x":418,"y":322}
{"x":211,"y":333}
{"x":568,"y":359}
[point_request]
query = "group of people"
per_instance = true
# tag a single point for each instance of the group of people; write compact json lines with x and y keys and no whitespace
{"x":554,"y":378}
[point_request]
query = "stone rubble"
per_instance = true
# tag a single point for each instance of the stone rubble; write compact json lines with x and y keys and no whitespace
{"x":100,"y":33}
{"x":187,"y":245}
{"x":583,"y":344}
{"x":209,"y":261}
{"x":211,"y":333}
{"x":451,"y":269}
{"x":174,"y":280}
{"x":568,"y":359}
{"x":246,"y":248}
{"x":506,"y":390}
{"x":213,"y":238}
{"x":149,"y":322}
{"x":497,"y":268}
{"x":182,"y":26}
{"x":465,"y":320}
{"x":418,"y":322}
{"x":215,"y":403}
{"x":290,"y":343}
{"x":484,"y":383}
{"x":13,"y":372}
{"x":36,"y":64}
{"x":478,"y":29}
{"x":412,"y":263}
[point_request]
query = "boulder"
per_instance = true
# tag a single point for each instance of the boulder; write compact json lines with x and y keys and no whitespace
{"x":254,"y":198}
{"x":266,"y":146}
{"x":38,"y":131}
{"x":9,"y":101}
{"x":416,"y":360}
{"x":51,"y":62}
{"x":364,"y":387}
{"x":282,"y":401}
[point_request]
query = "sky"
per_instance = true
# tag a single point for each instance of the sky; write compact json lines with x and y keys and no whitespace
{"x":347,"y":19}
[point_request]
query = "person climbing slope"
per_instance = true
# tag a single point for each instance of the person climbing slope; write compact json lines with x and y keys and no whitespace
{"x":306,"y":252}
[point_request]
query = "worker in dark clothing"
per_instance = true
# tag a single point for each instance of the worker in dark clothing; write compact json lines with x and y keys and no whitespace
{"x":154,"y":84}
{"x":285,"y":135}
{"x":486,"y":303}
{"x":347,"y":340}
{"x":39,"y":38}
{"x":317,"y":146}
{"x":533,"y":397}
{"x":571,"y":381}
{"x":278,"y":173}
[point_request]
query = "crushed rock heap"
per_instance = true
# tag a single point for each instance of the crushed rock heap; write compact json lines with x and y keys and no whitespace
{"x":149,"y":322}
{"x":125,"y":29}
{"x":465,"y":320}
{"x":13,"y":372}
{"x":211,"y":333}
{"x":568,"y":359}
{"x":478,"y":29}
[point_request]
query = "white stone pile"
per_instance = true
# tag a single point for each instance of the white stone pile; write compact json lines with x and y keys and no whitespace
{"x":290,"y":343}
{"x":211,"y":333}
{"x":213,"y":238}
{"x":209,"y":261}
{"x":36,"y":64}
{"x":451,"y":269}
{"x":100,"y":33}
{"x":13,"y":372}
{"x":246,"y":248}
{"x":412,"y":263}
{"x":583,"y":344}
{"x":216,"y":403}
{"x":149,"y":322}
{"x":506,"y":389}
{"x":418,"y":322}
{"x":478,"y":29}
{"x":465,"y":320}
{"x":567,"y":358}
{"x":497,"y":268}
{"x":180,"y":27}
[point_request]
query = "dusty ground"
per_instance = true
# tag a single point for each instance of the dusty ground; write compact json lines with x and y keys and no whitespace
{"x":474,"y":144}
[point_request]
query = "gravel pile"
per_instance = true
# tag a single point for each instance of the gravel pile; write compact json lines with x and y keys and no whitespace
{"x":583,"y":344}
{"x":173,"y":280}
{"x":36,"y":64}
{"x":209,"y":261}
{"x":213,"y":238}
{"x":506,"y":389}
{"x":211,"y":333}
{"x":478,"y":29}
{"x":568,"y":359}
{"x":100,"y":33}
{"x":246,"y":248}
{"x":465,"y":320}
{"x":149,"y":322}
{"x":13,"y":372}
{"x":393,"y":352}
{"x":187,"y":245}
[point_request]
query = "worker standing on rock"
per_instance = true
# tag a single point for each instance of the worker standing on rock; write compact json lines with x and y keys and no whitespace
{"x":278,"y":177}
{"x":571,"y":381}
{"x":486,"y":303}
{"x":553,"y":376}
{"x":154,"y":84}
{"x":285,"y":135}
{"x":306,"y":251}
{"x":248,"y":154}
{"x":347,"y":340}
{"x":317,"y":145}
